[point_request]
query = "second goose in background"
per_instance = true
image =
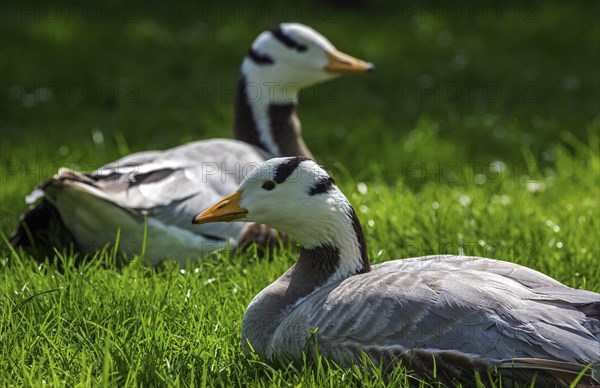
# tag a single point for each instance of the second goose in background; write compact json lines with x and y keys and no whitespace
{"x":161,"y":189}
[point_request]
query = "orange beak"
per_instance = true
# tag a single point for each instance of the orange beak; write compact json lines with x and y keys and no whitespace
{"x":226,"y":210}
{"x":344,"y":63}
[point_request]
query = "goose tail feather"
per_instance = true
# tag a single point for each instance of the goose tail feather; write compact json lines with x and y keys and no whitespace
{"x":41,"y":228}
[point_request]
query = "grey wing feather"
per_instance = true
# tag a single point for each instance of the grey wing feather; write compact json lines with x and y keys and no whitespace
{"x":489,"y":310}
{"x":173,"y":185}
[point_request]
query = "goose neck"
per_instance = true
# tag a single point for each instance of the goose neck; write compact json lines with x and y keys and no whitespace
{"x":318,"y":265}
{"x":338,"y":252}
{"x":265,"y":116}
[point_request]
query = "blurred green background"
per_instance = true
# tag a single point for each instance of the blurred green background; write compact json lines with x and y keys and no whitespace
{"x":85,"y":83}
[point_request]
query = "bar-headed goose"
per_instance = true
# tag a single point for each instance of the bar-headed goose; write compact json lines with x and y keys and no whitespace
{"x":146,"y":195}
{"x":461,"y":313}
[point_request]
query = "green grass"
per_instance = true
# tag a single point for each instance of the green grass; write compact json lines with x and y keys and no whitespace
{"x":514,"y":177}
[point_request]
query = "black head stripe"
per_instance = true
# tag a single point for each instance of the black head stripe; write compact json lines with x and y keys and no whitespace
{"x":286,"y":169}
{"x":286,"y":40}
{"x":323,"y":185}
{"x":260,"y":59}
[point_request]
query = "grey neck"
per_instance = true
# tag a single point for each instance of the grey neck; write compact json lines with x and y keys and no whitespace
{"x":273,"y":127}
{"x":315,"y":268}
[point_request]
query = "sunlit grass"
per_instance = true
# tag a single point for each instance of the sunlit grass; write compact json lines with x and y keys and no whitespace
{"x":96,"y":324}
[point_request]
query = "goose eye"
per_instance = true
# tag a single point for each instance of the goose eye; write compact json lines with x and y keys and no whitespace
{"x":301,"y":48}
{"x":268,"y":185}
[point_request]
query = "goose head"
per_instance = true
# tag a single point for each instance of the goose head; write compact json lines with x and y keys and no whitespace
{"x":284,"y":193}
{"x":296,"y":196}
{"x":292,"y":56}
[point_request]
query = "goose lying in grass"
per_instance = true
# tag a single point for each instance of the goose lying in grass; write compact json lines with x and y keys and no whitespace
{"x":157,"y":189}
{"x":463,"y":313}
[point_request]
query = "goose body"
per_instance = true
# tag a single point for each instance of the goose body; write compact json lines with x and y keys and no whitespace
{"x":467,"y":313}
{"x":141,"y":199}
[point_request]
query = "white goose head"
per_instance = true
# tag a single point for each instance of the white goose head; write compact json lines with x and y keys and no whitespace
{"x":293,"y":56}
{"x":296,"y":196}
{"x":279,"y":64}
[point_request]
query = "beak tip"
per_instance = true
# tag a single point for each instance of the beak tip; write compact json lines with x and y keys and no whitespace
{"x":370,"y":67}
